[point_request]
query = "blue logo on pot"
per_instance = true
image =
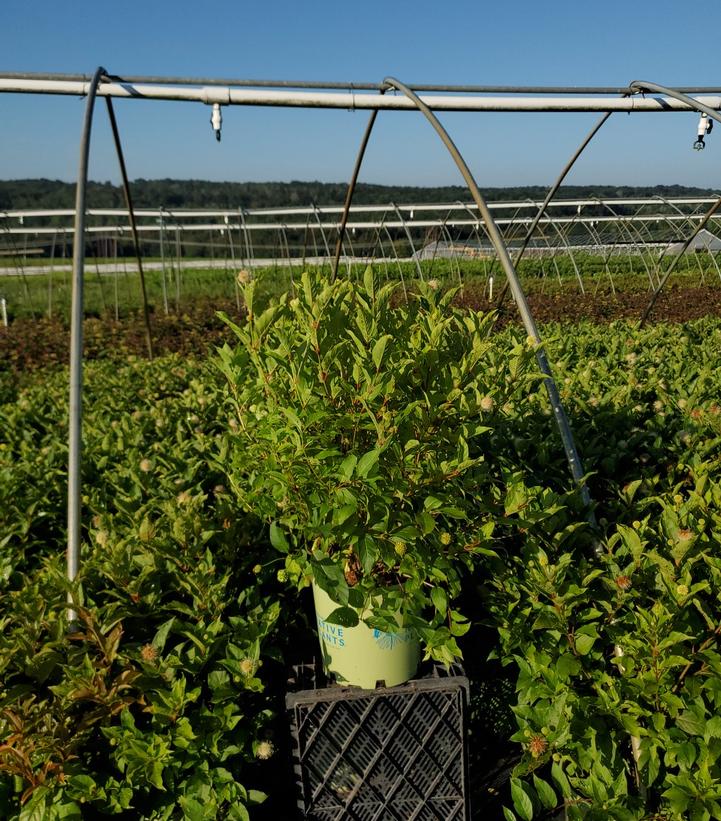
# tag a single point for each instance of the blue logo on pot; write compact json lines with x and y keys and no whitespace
{"x":387,"y":641}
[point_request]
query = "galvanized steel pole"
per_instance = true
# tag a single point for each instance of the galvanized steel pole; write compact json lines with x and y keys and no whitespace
{"x":76,"y":349}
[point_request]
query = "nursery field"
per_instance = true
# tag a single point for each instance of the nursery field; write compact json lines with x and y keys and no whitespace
{"x":217,"y":481}
{"x":587,"y":282}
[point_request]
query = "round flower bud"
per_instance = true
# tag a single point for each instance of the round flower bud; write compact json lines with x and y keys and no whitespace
{"x":149,"y":653}
{"x":248,"y":666}
{"x":264,"y":750}
{"x":487,"y":404}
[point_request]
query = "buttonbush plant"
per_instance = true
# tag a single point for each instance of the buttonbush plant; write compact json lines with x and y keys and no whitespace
{"x":363,"y":440}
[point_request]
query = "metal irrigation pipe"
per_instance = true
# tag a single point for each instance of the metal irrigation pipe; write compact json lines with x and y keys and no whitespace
{"x":317,"y":84}
{"x":569,"y":445}
{"x":351,"y":100}
{"x":76,"y":347}
{"x":133,"y":223}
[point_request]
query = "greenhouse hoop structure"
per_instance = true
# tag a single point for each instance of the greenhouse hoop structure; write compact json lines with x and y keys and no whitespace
{"x":390,"y":95}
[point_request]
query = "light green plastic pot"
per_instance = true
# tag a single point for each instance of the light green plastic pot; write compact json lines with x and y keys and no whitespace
{"x":361,"y":655}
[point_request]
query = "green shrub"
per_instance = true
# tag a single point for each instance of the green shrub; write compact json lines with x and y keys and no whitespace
{"x":363,"y":439}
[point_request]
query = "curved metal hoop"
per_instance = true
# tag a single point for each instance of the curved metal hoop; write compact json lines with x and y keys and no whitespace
{"x":569,"y":445}
{"x":133,"y":224}
{"x":76,"y":345}
{"x":351,"y":187}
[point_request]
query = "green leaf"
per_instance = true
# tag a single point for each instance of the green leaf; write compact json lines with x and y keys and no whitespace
{"x":328,"y":575}
{"x":193,"y":810}
{"x":347,"y":466}
{"x":545,"y":792}
{"x":426,"y":522}
{"x":366,"y":463}
{"x":678,"y":799}
{"x":68,"y":811}
{"x":712,"y":729}
{"x":432,"y":503}
{"x":256,"y":796}
{"x":567,"y":665}
{"x":379,"y":350}
{"x":238,"y":812}
{"x":584,"y":644}
{"x":691,"y":724}
{"x":161,"y":635}
{"x":343,"y":513}
{"x":509,"y":815}
{"x":367,"y":553}
{"x":369,"y":281}
{"x":344,"y":616}
{"x":521,"y":800}
{"x":440,"y":600}
{"x":278,"y":539}
{"x":560,"y":778}
{"x":355,"y":598}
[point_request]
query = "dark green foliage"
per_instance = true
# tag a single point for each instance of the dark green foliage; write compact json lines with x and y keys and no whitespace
{"x":154,"y":706}
{"x":163,"y":703}
{"x":42,"y":193}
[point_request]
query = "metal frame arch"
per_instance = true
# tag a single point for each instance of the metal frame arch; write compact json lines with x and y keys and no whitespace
{"x":552,"y":193}
{"x":565,"y":246}
{"x":76,"y":346}
{"x":399,"y":216}
{"x":654,"y":296}
{"x":572,"y":455}
{"x":634,"y":233}
{"x":690,"y":219}
{"x":642,"y":248}
{"x":133,"y":224}
{"x":352,"y":186}
{"x":621,"y":232}
{"x":476,"y":228}
{"x":640,"y":86}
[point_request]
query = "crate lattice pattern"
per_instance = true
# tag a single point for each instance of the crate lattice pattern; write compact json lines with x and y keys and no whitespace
{"x":395,"y":754}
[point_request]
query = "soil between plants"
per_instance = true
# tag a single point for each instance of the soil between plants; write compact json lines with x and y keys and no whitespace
{"x":35,"y":343}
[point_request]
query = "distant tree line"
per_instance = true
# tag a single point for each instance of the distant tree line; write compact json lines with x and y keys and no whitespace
{"x":42,"y":193}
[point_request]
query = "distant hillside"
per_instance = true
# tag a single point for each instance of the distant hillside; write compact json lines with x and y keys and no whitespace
{"x":205,"y":194}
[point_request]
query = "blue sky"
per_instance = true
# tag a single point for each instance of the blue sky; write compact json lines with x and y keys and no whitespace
{"x":524,"y":43}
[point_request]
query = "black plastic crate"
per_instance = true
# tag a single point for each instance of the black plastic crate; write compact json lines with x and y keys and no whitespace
{"x":389,"y":754}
